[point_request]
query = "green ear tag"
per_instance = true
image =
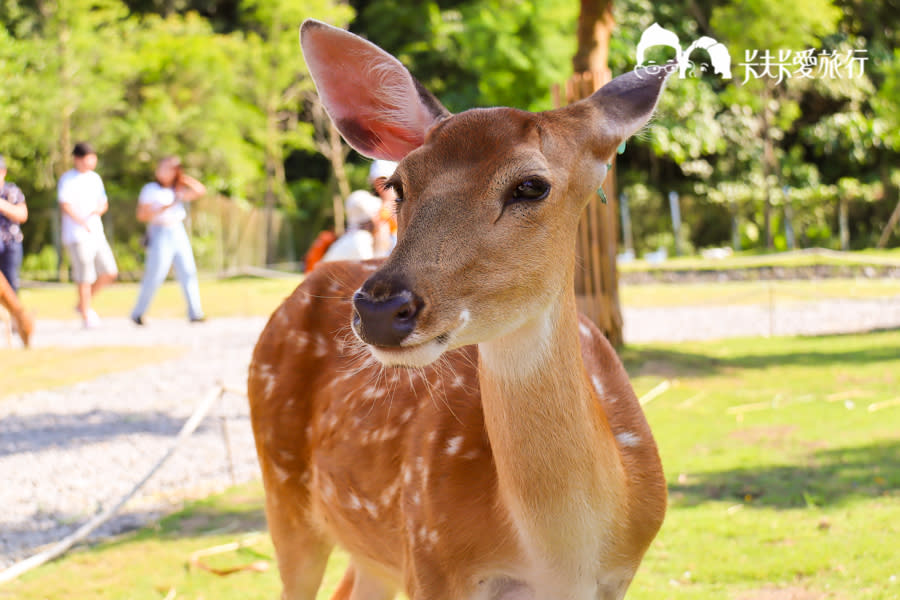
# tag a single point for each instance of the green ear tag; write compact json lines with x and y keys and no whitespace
{"x":621,"y":148}
{"x":602,"y":194}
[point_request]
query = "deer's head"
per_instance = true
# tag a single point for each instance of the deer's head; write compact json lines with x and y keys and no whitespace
{"x":489,"y":198}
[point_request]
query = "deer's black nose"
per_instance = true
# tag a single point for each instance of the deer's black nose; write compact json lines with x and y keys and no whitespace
{"x":386,"y":319}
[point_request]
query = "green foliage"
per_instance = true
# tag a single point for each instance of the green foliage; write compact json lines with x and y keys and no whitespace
{"x":223,"y":84}
{"x":478,"y":53}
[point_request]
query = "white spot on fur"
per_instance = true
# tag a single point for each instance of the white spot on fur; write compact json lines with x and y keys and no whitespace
{"x":407,"y":475}
{"x":354,"y":503}
{"x":416,"y":498}
{"x":267,"y":376}
{"x":327,"y":489}
{"x":321,"y":346}
{"x":298,"y":338}
{"x":372,"y":393}
{"x":389,"y":493}
{"x":433,"y":537}
{"x":584,"y":329}
{"x":598,"y":387}
{"x":371,"y":508}
{"x":453,"y":445}
{"x":471,"y":455}
{"x":282,"y":474}
{"x":628,"y":439}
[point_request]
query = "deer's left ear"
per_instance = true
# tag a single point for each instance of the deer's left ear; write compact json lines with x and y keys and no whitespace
{"x":619,"y":109}
{"x":378,"y":107}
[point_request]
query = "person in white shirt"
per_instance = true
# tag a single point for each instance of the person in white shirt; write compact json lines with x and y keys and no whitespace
{"x":358,"y":242}
{"x":161,"y":206}
{"x":82,"y":200}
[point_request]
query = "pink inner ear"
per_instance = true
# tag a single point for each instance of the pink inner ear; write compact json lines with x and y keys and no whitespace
{"x":369,"y":95}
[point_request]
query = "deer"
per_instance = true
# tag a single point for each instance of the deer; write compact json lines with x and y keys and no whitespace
{"x":445,"y":415}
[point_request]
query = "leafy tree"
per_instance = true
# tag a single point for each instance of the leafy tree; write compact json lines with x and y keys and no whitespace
{"x":757,"y":27}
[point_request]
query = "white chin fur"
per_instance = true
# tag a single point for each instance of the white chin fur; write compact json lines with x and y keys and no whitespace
{"x":417,"y":356}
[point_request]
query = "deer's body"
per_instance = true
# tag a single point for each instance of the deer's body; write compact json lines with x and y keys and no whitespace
{"x":521,"y":469}
{"x":397,"y":466}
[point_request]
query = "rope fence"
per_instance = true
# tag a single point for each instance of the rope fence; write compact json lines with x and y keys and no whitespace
{"x":209,"y":400}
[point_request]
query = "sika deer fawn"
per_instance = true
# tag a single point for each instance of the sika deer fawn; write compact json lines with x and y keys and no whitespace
{"x":494,"y":449}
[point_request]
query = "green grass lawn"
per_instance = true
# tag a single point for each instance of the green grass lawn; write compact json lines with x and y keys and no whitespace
{"x":238,"y":296}
{"x":755,"y":292}
{"x":47,"y":368}
{"x":756,"y":259}
{"x":783,"y":462}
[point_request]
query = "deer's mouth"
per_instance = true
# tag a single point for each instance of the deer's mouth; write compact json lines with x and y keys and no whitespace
{"x":418,"y":355}
{"x":418,"y":350}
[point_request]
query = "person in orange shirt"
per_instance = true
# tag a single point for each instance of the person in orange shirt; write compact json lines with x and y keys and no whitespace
{"x":386,"y":225}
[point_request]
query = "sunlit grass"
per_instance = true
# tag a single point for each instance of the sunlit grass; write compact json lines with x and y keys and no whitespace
{"x":47,"y":368}
{"x":783,"y":465}
{"x":240,"y":296}
{"x":755,"y":292}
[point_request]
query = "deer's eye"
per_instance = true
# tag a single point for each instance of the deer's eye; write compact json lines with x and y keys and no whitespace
{"x":398,"y":189}
{"x":530,"y":190}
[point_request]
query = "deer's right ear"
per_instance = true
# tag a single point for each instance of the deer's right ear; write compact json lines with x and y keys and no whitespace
{"x":378,"y":107}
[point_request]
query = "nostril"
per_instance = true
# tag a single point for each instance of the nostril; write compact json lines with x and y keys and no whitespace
{"x":385,"y":321}
{"x":409,"y":310}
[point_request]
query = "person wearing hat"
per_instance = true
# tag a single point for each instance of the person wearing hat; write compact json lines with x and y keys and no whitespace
{"x":82,"y":200}
{"x":13,"y":212}
{"x":386,"y":224}
{"x":357,"y":243}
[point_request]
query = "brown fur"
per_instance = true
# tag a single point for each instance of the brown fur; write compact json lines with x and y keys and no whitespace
{"x":518,"y":469}
{"x":319,"y":431}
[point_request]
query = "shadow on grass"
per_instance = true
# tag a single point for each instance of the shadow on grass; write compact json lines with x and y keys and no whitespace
{"x":237,"y":512}
{"x":33,"y":433}
{"x":880,"y":346}
{"x":827,"y":478}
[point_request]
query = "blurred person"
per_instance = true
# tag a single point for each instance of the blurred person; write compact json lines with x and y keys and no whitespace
{"x":161,"y":207}
{"x":386,"y":224}
{"x":358,"y":241}
{"x":82,"y":200}
{"x":13,"y":212}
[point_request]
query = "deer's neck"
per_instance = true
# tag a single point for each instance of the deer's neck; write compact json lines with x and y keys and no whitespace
{"x":558,"y":468}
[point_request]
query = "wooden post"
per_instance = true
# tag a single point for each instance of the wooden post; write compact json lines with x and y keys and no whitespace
{"x":596,"y":278}
{"x":675,"y":209}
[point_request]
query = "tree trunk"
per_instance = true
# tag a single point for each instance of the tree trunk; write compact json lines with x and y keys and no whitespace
{"x":889,"y":194}
{"x":67,"y":109}
{"x":596,"y":277}
{"x":768,"y":167}
{"x":844,"y":222}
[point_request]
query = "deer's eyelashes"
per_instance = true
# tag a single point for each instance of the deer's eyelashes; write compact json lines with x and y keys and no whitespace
{"x":397,"y":187}
{"x":533,"y":189}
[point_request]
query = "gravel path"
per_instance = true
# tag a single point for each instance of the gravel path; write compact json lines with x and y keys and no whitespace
{"x":66,"y":453}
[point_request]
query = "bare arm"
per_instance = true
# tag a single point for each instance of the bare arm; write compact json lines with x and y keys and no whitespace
{"x":189,"y":189}
{"x":101,"y":210}
{"x":146,"y":212}
{"x":67,"y":209}
{"x":17,"y":213}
